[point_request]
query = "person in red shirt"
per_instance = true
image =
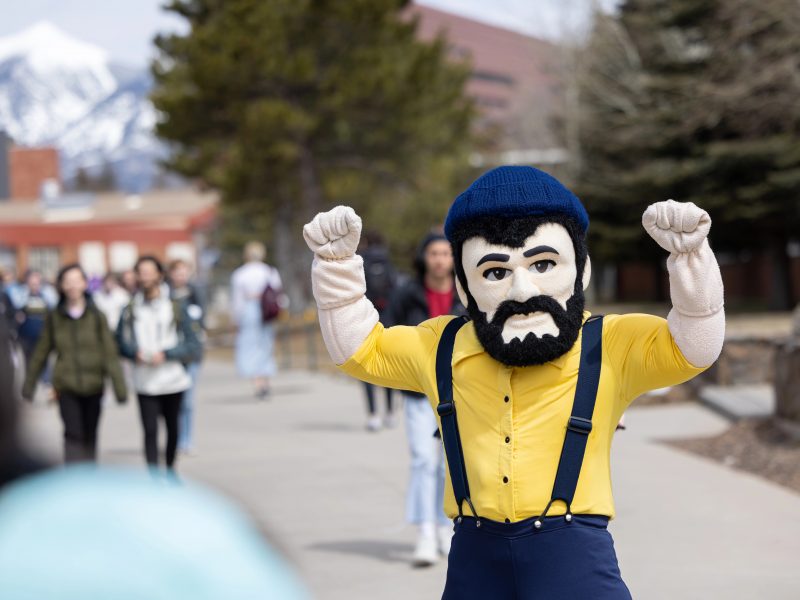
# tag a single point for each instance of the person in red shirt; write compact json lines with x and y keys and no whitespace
{"x":430,"y":294}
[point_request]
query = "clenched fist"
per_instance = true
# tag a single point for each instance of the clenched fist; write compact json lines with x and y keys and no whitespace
{"x":678,"y":227}
{"x":334,"y":234}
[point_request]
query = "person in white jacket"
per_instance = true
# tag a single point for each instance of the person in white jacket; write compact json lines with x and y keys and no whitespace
{"x":160,"y":337}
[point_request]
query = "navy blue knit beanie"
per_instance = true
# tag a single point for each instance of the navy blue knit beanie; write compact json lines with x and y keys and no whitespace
{"x":513,"y":192}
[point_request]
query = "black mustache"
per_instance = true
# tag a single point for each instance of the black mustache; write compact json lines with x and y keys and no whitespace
{"x":510,"y":308}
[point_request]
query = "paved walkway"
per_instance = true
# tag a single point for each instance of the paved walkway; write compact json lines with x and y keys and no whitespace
{"x":331,"y":495}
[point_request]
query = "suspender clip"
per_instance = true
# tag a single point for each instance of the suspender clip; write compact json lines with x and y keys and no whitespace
{"x":579,"y":425}
{"x":445,"y":408}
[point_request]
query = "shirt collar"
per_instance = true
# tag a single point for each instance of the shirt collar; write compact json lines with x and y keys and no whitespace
{"x":469,"y":345}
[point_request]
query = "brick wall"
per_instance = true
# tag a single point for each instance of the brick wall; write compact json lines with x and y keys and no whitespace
{"x":28,"y":168}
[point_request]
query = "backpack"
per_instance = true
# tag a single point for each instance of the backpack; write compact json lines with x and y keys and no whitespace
{"x":270,"y":303}
{"x":379,"y":277}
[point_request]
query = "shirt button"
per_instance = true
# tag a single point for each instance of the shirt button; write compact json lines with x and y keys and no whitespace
{"x":505,"y":479}
{"x":508,"y":439}
{"x":505,"y":399}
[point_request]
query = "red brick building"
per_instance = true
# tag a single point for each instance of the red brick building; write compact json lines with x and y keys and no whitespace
{"x":29,"y":168}
{"x":106,"y":232}
{"x":508,"y":68}
{"x":515,"y":82}
{"x":103,"y":232}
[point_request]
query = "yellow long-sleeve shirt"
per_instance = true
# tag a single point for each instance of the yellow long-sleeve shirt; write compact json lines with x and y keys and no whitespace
{"x":512,"y":420}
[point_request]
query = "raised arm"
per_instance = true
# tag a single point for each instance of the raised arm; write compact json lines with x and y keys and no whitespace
{"x":697,"y":318}
{"x":346,"y":317}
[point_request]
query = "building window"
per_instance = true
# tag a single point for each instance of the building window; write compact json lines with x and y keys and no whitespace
{"x":92,"y":257}
{"x":494,"y":77}
{"x":181,"y":250}
{"x":488,"y":102}
{"x":8,"y":260}
{"x":44,"y":259}
{"x":122,"y":256}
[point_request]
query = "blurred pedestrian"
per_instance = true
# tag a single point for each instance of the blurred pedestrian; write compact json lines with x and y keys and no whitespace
{"x":381,"y":279}
{"x":160,"y":337}
{"x":129,"y":282}
{"x":16,"y":460}
{"x":7,"y":310}
{"x":430,"y":294}
{"x":184,"y":291}
{"x":251,"y":285}
{"x":10,"y":282}
{"x":77,"y":332}
{"x":32,"y":301}
{"x":111,"y":299}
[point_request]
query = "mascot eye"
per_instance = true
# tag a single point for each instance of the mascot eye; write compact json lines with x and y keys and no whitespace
{"x":496,"y":274}
{"x":543,"y":266}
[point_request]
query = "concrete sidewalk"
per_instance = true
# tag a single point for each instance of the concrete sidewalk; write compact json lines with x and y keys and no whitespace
{"x":331,"y":495}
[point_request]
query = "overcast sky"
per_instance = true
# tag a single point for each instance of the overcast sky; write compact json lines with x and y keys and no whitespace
{"x":125,"y":28}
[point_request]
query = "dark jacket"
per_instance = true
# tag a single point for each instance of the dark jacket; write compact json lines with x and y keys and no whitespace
{"x":190,"y":296}
{"x":409,"y":306}
{"x":193,"y":303}
{"x":380,"y":276}
{"x":85,"y":354}
{"x":189,"y":348}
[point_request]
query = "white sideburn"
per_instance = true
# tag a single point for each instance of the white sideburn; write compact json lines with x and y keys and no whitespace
{"x":521,"y":280}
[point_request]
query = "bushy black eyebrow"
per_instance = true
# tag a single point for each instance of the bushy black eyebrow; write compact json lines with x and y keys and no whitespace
{"x":539,"y":250}
{"x":493,"y":257}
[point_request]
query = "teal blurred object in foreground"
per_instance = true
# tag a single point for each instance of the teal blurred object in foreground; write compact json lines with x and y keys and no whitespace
{"x":87,"y":533}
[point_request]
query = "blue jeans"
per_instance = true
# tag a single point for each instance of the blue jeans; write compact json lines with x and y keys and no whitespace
{"x":425,"y":497}
{"x":515,"y":561}
{"x":187,"y":409}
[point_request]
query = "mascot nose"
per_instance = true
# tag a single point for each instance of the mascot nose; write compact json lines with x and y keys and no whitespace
{"x":522,"y":286}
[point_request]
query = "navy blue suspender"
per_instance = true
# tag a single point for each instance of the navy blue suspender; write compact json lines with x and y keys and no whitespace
{"x":447,"y":414}
{"x":578,"y":427}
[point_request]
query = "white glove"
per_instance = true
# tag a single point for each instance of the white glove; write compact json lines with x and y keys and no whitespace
{"x":697,"y":318}
{"x":678,"y":227}
{"x":346,"y":317}
{"x":334,"y":234}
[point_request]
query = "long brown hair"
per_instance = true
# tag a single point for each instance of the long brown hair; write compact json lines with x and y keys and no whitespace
{"x":60,"y":279}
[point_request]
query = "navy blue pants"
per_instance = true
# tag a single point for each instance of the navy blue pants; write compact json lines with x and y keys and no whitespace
{"x":514,"y":561}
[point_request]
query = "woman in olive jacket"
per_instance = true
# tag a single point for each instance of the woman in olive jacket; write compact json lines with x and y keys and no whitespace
{"x":86,"y":354}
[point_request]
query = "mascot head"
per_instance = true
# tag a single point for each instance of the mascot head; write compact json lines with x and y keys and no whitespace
{"x":519,"y":244}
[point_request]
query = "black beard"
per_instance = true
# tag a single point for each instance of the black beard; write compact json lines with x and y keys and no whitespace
{"x":532,"y":350}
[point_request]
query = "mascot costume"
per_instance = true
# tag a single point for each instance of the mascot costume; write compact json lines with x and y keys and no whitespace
{"x":529,"y":389}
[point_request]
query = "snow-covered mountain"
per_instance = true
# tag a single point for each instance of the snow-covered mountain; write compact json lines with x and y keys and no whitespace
{"x":57,"y":90}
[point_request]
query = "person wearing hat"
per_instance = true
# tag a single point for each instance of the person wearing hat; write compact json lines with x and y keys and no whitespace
{"x":429,"y":295}
{"x":529,"y":390}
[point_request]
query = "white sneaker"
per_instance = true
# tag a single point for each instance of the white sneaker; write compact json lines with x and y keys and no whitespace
{"x":426,"y":553}
{"x":374,"y":423}
{"x":389,"y":422}
{"x":445,"y":536}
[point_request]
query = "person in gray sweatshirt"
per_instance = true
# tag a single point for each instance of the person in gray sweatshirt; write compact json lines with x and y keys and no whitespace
{"x":158,"y":335}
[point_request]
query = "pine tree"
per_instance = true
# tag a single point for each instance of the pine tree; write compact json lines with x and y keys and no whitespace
{"x":694,"y":100}
{"x":106,"y":180}
{"x":291,"y":106}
